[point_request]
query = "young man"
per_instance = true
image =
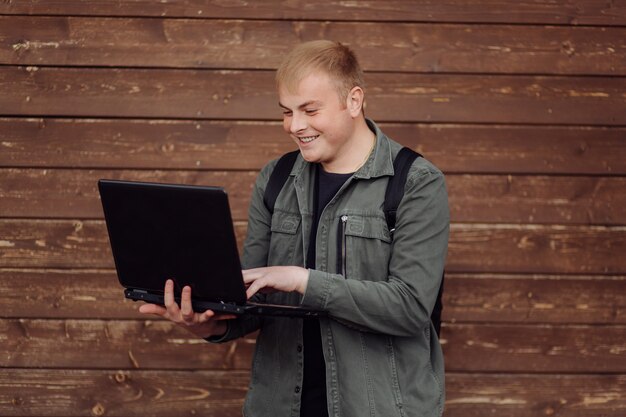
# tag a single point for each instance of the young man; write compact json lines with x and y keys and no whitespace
{"x":326,"y":245}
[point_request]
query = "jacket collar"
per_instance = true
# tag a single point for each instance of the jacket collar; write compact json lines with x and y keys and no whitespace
{"x":379,"y":163}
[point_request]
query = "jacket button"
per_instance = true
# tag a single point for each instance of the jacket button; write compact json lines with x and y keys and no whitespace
{"x":297,"y":389}
{"x":299,"y":348}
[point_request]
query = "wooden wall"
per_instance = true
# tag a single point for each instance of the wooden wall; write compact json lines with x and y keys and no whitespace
{"x":522,"y":104}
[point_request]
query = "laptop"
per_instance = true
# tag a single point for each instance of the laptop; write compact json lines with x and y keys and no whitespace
{"x":182,"y":232}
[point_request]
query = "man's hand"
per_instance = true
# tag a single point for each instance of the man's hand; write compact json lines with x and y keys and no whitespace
{"x":201,"y":324}
{"x":276,"y":278}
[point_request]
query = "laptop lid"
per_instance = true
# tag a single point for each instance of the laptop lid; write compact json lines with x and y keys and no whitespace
{"x":183,"y":232}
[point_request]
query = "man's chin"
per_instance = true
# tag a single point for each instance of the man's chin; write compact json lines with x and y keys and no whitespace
{"x":311,"y":157}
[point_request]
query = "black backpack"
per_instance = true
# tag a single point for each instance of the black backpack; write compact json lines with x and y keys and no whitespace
{"x":393,"y":195}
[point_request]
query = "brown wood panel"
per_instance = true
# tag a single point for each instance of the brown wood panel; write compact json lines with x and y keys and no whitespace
{"x":60,"y":193}
{"x":220,"y":394}
{"x":574,"y":12}
{"x":474,"y":298}
{"x":534,"y":299}
{"x":537,"y":199}
{"x":250,"y":95}
{"x":64,"y":41}
{"x":536,"y":249}
{"x":52,"y":193}
{"x":472,"y":248}
{"x":185,"y":144}
{"x":142,"y":344}
{"x":524,"y":348}
{"x":64,"y":293}
{"x":67,"y":393}
{"x":480,"y":395}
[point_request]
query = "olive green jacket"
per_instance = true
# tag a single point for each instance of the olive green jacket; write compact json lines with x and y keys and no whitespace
{"x":382,"y":355}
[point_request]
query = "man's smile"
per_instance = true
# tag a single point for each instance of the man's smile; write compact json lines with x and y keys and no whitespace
{"x":307,"y":139}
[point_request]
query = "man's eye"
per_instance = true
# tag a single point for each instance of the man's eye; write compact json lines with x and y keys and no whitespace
{"x":310,"y":111}
{"x":286,"y":113}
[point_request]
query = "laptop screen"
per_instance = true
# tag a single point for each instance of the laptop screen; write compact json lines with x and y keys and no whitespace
{"x":182,"y":232}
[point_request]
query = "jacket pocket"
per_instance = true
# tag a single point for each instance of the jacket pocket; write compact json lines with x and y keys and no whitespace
{"x":284,"y":238}
{"x":363,"y":247}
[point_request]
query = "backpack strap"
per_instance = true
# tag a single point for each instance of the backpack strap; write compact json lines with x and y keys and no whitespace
{"x":393,"y":195}
{"x":278,"y":178}
{"x":395,"y":188}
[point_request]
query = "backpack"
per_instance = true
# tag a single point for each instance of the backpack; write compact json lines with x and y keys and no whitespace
{"x":393,"y":195}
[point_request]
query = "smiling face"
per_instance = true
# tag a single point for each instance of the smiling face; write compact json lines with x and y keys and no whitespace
{"x":321,"y":124}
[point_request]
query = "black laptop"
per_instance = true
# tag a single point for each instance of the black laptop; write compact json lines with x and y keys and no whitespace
{"x":182,"y":232}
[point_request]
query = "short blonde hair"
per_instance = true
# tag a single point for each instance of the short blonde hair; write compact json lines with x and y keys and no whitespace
{"x":332,"y":58}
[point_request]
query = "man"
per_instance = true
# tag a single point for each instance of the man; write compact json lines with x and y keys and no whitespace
{"x":377,"y":354}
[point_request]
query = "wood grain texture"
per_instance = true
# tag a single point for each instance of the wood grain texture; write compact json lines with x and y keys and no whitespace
{"x":472,"y":247}
{"x":250,"y":95}
{"x":474,"y":298}
{"x":186,"y":144}
{"x":52,"y":193}
{"x":220,"y":394}
{"x":236,"y":44}
{"x":530,"y":349}
{"x":146,"y":344}
{"x":527,"y":395}
{"x":61,"y":193}
{"x":564,"y":12}
{"x":140,"y":344}
{"x":121,"y":393}
{"x":534,"y":299}
{"x":535,"y":249}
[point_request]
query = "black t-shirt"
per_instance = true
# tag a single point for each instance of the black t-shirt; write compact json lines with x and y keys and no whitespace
{"x":314,"y":381}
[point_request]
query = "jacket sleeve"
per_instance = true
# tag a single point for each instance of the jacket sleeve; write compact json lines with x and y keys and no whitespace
{"x":400,"y":305}
{"x":255,"y":252}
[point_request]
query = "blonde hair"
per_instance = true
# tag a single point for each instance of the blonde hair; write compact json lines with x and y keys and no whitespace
{"x":332,"y":58}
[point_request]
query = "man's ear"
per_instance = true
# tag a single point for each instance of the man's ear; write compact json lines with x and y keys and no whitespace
{"x":355,"y":100}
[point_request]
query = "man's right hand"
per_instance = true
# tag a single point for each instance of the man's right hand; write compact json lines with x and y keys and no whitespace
{"x":204,"y":324}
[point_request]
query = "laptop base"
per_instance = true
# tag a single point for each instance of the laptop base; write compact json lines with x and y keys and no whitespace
{"x":229,"y":308}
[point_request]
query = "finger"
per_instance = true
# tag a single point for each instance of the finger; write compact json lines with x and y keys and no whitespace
{"x":186,"y":308}
{"x":253,"y":288}
{"x":212,"y":315}
{"x":152,"y":309}
{"x":251,"y":275}
{"x":168,"y":298}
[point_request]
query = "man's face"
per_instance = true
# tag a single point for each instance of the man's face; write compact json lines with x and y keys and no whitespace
{"x":317,"y":120}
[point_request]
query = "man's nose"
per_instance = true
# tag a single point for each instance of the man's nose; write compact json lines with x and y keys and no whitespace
{"x":298,"y":123}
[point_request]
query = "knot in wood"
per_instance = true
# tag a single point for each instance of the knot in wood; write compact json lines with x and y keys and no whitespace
{"x":120,"y":377}
{"x":98,"y":410}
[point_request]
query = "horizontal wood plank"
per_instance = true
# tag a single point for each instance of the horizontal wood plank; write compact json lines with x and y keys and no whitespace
{"x":202,"y":94}
{"x":74,"y":193}
{"x":65,"y":293}
{"x":534,"y":299}
{"x":59,"y":193}
{"x":121,"y":393}
{"x":536,"y":249}
{"x":472,"y":247}
{"x":70,"y":41}
{"x":565,"y":12}
{"x":220,"y":394}
{"x":183,"y":144}
{"x":480,"y":395}
{"x":474,"y":298}
{"x":142,"y":344}
{"x":524,"y":348}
